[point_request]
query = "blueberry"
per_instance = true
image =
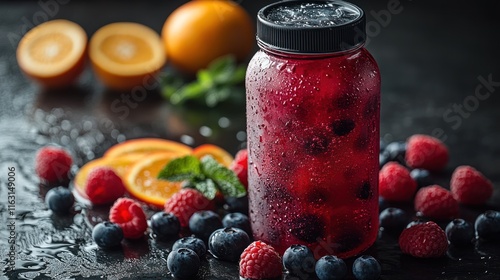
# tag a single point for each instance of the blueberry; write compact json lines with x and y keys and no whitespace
{"x":383,"y":145}
{"x":299,"y":260}
{"x":107,"y":235}
{"x":343,"y":127}
{"x":183,"y":263}
{"x":396,"y":151}
{"x":228,"y":243}
{"x":192,"y":243}
{"x":365,"y":191}
{"x":308,"y":228}
{"x":393,"y":219}
{"x":237,"y":220}
{"x":59,"y":200}
{"x":383,"y":158}
{"x":415,"y":222}
{"x":422,"y":177}
{"x":237,"y":204}
{"x":203,"y":223}
{"x":382,"y":204}
{"x":366,"y":268}
{"x":330,"y":268}
{"x":487,"y":225}
{"x":459,"y":232}
{"x":165,"y":225}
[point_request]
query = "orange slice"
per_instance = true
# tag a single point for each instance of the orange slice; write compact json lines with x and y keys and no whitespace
{"x":219,"y":154}
{"x":126,"y":54}
{"x":147,"y":145}
{"x":120,"y":165}
{"x":141,"y":180}
{"x":53,"y":53}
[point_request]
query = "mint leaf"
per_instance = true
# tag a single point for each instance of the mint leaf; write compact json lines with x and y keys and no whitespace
{"x":227,"y":182}
{"x":217,"y":83}
{"x":216,"y":95}
{"x":180,"y":169}
{"x":207,"y":188}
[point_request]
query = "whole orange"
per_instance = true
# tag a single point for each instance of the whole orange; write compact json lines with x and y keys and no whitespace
{"x":198,"y":32}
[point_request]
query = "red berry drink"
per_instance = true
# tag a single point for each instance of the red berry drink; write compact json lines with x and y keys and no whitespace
{"x":313,"y":129}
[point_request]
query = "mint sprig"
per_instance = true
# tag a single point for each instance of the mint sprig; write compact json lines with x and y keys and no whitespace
{"x":206,"y":175}
{"x":222,"y":80}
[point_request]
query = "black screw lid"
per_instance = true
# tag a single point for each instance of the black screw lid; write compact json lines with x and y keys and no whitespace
{"x":323,"y":26}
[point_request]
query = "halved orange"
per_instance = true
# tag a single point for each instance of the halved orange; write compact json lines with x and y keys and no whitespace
{"x":147,"y":145}
{"x":141,"y":180}
{"x":53,"y":53}
{"x":126,"y":54}
{"x":219,"y":154}
{"x":120,"y":165}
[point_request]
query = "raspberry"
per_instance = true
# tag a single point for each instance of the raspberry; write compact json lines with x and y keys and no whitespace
{"x":469,"y":186}
{"x":185,"y":203}
{"x":240,"y":166}
{"x":426,"y":152}
{"x":260,"y":261}
{"x":52,"y":165}
{"x":128,"y":214}
{"x":435,"y":202}
{"x":395,"y":183}
{"x":425,"y":240}
{"x":104,"y":186}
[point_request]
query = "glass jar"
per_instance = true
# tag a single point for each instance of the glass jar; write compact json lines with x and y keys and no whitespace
{"x":313,"y":99}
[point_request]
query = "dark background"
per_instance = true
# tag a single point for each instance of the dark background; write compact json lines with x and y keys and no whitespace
{"x":433,"y":55}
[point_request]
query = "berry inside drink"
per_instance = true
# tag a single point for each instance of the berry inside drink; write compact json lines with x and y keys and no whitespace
{"x":313,"y":142}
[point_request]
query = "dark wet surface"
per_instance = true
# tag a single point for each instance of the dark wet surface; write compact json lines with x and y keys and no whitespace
{"x":432,"y":59}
